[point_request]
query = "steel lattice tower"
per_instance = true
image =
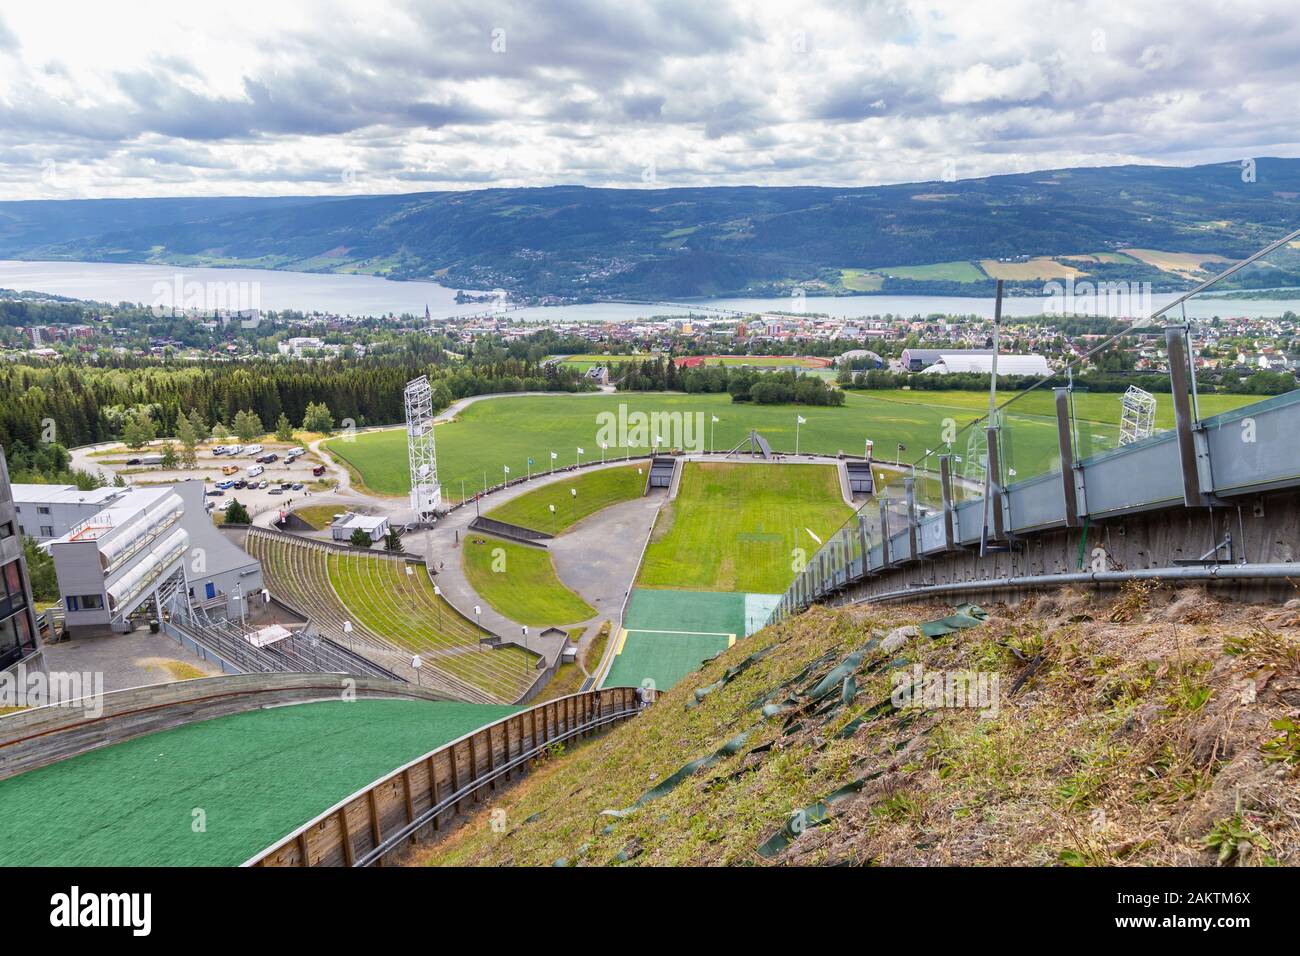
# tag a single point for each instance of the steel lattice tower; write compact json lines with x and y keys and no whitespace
{"x":1139,"y":418}
{"x":426,"y":496}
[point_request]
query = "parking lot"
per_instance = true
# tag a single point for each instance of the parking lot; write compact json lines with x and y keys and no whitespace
{"x":210,"y":467}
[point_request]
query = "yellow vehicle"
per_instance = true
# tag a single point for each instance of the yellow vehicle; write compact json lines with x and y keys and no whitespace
{"x":229,"y":469}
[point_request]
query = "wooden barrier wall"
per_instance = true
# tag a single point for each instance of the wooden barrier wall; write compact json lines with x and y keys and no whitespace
{"x":415,"y":799}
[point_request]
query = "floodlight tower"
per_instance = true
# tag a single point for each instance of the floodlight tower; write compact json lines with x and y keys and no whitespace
{"x":1139,"y":418}
{"x":426,"y":496}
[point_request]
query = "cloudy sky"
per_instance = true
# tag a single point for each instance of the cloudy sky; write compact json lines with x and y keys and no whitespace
{"x":370,"y":96}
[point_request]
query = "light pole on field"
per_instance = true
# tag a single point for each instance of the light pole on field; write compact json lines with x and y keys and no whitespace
{"x":437,"y":593}
{"x":573,"y":492}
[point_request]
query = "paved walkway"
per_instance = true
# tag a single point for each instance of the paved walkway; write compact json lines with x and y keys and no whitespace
{"x":442,"y":546}
{"x":127,"y":660}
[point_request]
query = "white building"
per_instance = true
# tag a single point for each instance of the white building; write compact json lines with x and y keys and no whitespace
{"x":374,"y":525}
{"x":46,"y":512}
{"x":983,"y":364}
{"x":119,"y":558}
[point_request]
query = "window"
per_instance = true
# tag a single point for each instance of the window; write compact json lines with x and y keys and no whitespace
{"x":71,"y":602}
{"x":47,"y":531}
{"x":42,"y":510}
{"x":90,"y":602}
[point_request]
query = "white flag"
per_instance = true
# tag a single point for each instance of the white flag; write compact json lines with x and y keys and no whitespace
{"x":802,"y":420}
{"x":716,"y":419}
{"x":581,"y":452}
{"x":554,"y":456}
{"x":507,"y":468}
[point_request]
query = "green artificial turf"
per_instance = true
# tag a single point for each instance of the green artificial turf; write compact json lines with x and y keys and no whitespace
{"x":521,"y":583}
{"x":596,"y":490}
{"x":662,"y":658}
{"x":735,"y":527}
{"x":251,"y":779}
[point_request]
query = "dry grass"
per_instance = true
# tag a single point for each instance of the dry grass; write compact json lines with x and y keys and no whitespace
{"x":1153,"y":731}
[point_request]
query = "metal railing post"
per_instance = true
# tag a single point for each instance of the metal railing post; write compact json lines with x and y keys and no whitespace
{"x":1066,"y":445}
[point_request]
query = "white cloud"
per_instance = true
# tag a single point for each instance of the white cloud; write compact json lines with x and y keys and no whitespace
{"x":981,"y":83}
{"x":249,"y":97}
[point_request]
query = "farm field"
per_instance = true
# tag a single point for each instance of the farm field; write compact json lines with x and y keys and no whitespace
{"x":257,"y":775}
{"x":1039,"y":267}
{"x":959,"y":271}
{"x":595,"y":490}
{"x":734,"y":527}
{"x":527,"y":590}
{"x":1182,"y":263}
{"x":860,"y":280}
{"x":507,"y":431}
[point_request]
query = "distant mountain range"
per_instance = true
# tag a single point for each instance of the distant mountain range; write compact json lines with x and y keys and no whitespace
{"x":1164,"y":224}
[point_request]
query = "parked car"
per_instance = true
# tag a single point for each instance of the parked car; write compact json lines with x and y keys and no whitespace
{"x":297,"y":486}
{"x":216,"y":493}
{"x":219,"y":451}
{"x":296,"y":451}
{"x":290,"y":458}
{"x":229,"y":469}
{"x":263,"y":483}
{"x":241,"y":483}
{"x":318,"y":470}
{"x":286,"y":485}
{"x":133,"y":461}
{"x":223,"y":485}
{"x":253,"y":450}
{"x":276,"y":491}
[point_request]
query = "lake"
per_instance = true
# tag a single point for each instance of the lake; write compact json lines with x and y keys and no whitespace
{"x":368,"y":295}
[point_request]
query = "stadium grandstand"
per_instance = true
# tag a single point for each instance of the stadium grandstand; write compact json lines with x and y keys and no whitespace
{"x":384,"y":608}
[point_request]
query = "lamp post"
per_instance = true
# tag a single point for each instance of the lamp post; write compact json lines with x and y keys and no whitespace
{"x":505,"y":474}
{"x":573,"y":493}
{"x":416,"y":664}
{"x":552,"y":507}
{"x":898,"y":458}
{"x":437,"y":593}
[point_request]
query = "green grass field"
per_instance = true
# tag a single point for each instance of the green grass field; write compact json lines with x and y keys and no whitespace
{"x":526,"y":588}
{"x":734,"y":527}
{"x":507,"y":431}
{"x":595,"y":490}
{"x":256,"y":777}
{"x":960,"y":271}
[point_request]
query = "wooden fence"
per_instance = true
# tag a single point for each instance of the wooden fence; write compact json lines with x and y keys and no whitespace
{"x":415,"y":799}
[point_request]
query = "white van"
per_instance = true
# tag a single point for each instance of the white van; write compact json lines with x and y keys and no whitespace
{"x":255,"y":471}
{"x":236,"y":450}
{"x":296,"y":452}
{"x":253,"y":450}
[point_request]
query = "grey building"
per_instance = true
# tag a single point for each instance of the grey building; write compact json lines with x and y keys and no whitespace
{"x":19,"y":636}
{"x":121,"y":559}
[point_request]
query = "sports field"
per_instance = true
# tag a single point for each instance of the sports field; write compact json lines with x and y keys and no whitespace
{"x":507,"y":431}
{"x":520,"y":582}
{"x":735,"y":526}
{"x":213,"y":793}
{"x":596,"y":490}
